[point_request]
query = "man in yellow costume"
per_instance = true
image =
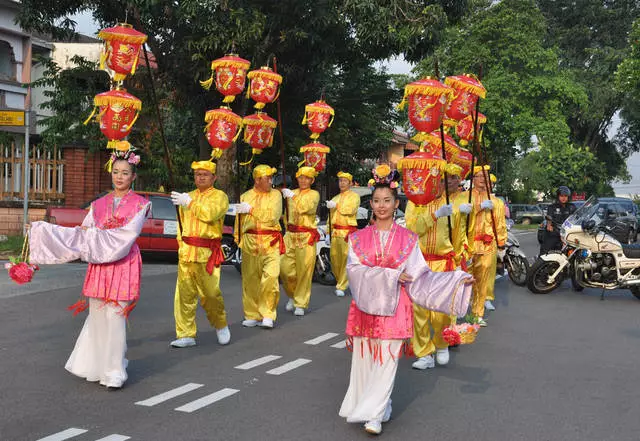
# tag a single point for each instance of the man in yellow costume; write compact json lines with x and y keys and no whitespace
{"x":342,"y":221}
{"x":297,"y":264}
{"x":486,"y":246}
{"x":257,"y":232}
{"x":202,"y":213}
{"x":460,"y":202}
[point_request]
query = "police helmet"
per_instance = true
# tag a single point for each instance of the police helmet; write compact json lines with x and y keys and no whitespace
{"x":563,"y":190}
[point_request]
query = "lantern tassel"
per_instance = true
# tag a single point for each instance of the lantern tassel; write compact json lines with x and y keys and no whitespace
{"x":259,"y":106}
{"x":103,"y":56}
{"x":135,"y":63}
{"x":301,"y":162}
{"x":235,"y":138}
{"x":331,"y":120}
{"x":206,"y":85}
{"x":90,"y":116}
{"x":314,"y":136}
{"x":249,"y":90}
{"x":216,"y":153}
{"x":304,"y":118}
{"x":135,"y":118}
{"x":249,"y":161}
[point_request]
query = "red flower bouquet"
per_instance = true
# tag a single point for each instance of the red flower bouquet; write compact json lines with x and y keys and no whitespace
{"x":20,"y":270}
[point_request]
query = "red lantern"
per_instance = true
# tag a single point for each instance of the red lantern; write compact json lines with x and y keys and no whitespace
{"x":222,"y":130}
{"x":258,"y":132}
{"x":462,"y":159}
{"x":421,"y":174}
{"x":318,"y":117}
{"x":230,"y":74}
{"x":433,"y":142}
{"x":315,"y":155}
{"x":427,"y":103}
{"x":264,"y":86}
{"x":464,"y":129}
{"x":467,"y":90}
{"x":122,"y":46}
{"x":118,"y":111}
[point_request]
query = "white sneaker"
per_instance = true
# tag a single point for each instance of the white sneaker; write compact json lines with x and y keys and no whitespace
{"x":339,"y":293}
{"x":489,"y":306}
{"x":387,"y":412}
{"x":224,"y":335}
{"x":373,"y":427}
{"x":442,"y":356}
{"x":425,"y":362}
{"x":266,"y":323}
{"x":482,"y":323}
{"x":250,"y":323}
{"x":299,"y":312}
{"x":184,"y":342}
{"x":289,"y":306}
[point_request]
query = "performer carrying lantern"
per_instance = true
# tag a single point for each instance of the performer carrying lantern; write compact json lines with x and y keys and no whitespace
{"x":200,"y":255}
{"x":342,"y":222}
{"x":257,"y":232}
{"x":296,"y":267}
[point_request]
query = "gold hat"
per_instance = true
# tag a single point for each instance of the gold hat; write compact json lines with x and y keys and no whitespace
{"x":204,"y":165}
{"x":453,"y":169}
{"x":309,"y":172}
{"x":263,"y":170}
{"x":345,"y":175}
{"x":479,"y":168}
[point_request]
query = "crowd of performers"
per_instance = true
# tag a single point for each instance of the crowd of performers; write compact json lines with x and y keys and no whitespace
{"x":407,"y":284}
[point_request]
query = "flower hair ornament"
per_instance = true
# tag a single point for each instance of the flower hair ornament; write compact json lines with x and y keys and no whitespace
{"x":123,"y":150}
{"x":383,"y":174}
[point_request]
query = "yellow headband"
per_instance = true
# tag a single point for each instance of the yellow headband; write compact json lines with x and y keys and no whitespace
{"x":263,"y":170}
{"x":453,"y":169}
{"x":479,"y":168}
{"x":345,"y":175}
{"x":204,"y":165}
{"x":309,"y":172}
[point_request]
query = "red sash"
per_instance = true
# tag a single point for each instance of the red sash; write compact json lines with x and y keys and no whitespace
{"x":350,"y":228}
{"x":313,"y":232}
{"x":217,"y":256}
{"x":449,"y":257}
{"x":486,"y":239}
{"x":276,"y":235}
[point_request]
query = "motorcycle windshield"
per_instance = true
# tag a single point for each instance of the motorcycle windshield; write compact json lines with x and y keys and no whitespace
{"x":592,"y":209}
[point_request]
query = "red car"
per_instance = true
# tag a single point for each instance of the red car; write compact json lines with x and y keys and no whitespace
{"x":159,"y":231}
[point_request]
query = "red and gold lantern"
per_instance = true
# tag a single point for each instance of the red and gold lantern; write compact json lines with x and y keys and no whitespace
{"x":467,"y":90}
{"x":421,"y":175}
{"x":315,"y":155}
{"x":118,"y":111}
{"x":122,"y":46}
{"x":427,"y":100}
{"x":318,"y":117}
{"x":222,"y":130}
{"x":264,"y":86}
{"x":462,"y":159}
{"x":464,"y":129}
{"x":230,"y":74}
{"x":258,"y":132}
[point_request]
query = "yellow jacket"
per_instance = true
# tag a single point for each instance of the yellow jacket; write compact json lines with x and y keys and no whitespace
{"x":301,"y":212}
{"x":461,"y":244}
{"x":265,"y":215}
{"x":433,"y":233}
{"x":345,"y":212}
{"x":482,"y":235}
{"x":202,"y":218}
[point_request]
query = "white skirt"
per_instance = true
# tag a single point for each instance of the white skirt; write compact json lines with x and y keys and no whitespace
{"x":101,"y":346}
{"x":371,"y":382}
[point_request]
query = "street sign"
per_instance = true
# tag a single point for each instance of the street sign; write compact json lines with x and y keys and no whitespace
{"x":11,"y":118}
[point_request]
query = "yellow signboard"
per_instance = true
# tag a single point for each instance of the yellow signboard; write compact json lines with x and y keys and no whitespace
{"x":11,"y":118}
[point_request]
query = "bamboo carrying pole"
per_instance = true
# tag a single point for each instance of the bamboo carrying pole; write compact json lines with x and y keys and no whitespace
{"x":444,"y":156}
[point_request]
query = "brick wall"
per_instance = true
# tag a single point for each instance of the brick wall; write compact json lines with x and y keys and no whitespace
{"x":11,"y":219}
{"x":84,"y":175}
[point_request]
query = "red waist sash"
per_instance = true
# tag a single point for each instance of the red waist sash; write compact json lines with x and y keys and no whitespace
{"x":449,"y":257}
{"x":275,"y":235}
{"x":313,"y":232}
{"x":350,"y":228}
{"x":486,"y":239}
{"x":217,"y":256}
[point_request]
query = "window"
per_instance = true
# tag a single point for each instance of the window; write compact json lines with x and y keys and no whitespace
{"x":162,"y":208}
{"x":7,"y":62}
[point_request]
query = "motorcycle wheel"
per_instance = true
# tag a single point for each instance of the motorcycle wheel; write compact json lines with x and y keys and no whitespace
{"x":517,"y":268}
{"x":325,"y":277}
{"x":237,"y":260}
{"x":636,"y":292}
{"x":575,"y":283}
{"x":537,"y":277}
{"x":229,"y":248}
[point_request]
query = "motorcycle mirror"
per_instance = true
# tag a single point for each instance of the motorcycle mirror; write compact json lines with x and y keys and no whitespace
{"x":588,"y":224}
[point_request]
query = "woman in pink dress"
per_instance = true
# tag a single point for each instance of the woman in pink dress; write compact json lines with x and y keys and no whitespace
{"x":106,"y":240}
{"x":387,"y":272}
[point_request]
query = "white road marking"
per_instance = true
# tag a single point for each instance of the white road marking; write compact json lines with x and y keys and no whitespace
{"x":258,"y":362}
{"x":65,"y":434}
{"x":320,"y":339}
{"x":114,"y":437}
{"x":157,"y":399}
{"x":289,"y":366}
{"x":340,"y":345}
{"x":207,"y":400}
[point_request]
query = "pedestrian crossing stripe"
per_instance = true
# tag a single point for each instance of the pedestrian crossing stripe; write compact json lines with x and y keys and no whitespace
{"x":72,"y":432}
{"x":258,"y":362}
{"x":321,"y":338}
{"x":207,"y":400}
{"x":161,"y":398}
{"x":289,"y":366}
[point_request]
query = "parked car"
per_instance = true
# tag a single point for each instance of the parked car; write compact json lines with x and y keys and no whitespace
{"x":526,"y":214}
{"x":158,"y":232}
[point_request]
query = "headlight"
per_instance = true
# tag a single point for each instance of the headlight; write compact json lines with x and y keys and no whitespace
{"x":584,"y":254}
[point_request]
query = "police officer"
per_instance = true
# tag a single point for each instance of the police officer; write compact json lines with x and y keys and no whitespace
{"x":557,"y":213}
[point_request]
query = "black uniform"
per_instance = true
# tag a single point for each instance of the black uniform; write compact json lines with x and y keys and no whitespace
{"x":556,"y":215}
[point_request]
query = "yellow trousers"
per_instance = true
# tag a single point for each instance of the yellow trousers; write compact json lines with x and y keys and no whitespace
{"x":260,"y":288}
{"x":296,"y":273}
{"x":484,"y":273}
{"x":194,"y":282}
{"x":339,"y":253}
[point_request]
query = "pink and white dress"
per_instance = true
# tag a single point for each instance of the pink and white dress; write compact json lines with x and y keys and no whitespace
{"x":112,"y":284}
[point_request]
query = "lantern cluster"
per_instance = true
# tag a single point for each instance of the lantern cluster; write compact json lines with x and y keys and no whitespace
{"x":230,"y":74}
{"x":318,"y":116}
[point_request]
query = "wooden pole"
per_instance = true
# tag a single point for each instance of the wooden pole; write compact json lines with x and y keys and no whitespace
{"x":444,"y":156}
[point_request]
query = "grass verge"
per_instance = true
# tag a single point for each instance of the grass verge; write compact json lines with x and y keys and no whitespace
{"x":11,"y":247}
{"x":525,"y":227}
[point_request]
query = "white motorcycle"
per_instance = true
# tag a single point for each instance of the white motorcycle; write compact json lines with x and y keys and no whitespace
{"x":592,"y":257}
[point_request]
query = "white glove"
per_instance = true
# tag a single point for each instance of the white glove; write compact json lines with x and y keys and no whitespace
{"x":327,"y":240}
{"x":487,"y":205}
{"x":180,"y":198}
{"x":466,"y":208}
{"x":287,"y":193}
{"x":501,"y":254}
{"x":243,"y":207}
{"x":445,"y":210}
{"x":331,"y":205}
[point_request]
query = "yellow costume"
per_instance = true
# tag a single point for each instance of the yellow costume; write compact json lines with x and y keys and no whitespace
{"x":461,"y":245}
{"x":342,"y":222}
{"x":199,"y":260}
{"x":297,"y":264}
{"x":440,"y":256}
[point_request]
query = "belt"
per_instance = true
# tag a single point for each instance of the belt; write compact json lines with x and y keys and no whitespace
{"x":449,"y":257}
{"x":486,"y":239}
{"x":217,"y":256}
{"x":313,"y":232}
{"x":350,"y":228}
{"x":276,"y":235}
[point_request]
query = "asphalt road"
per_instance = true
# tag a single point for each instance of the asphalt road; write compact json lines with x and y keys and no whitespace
{"x":557,"y":367}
